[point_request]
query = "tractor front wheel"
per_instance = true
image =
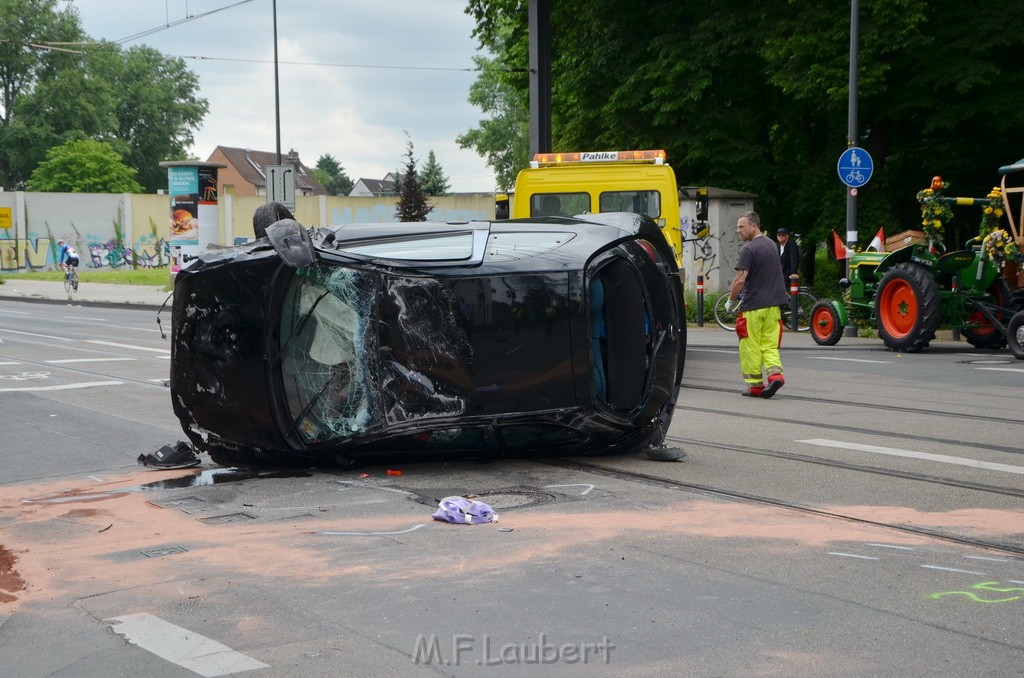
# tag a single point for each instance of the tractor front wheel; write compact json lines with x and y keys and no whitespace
{"x":826,"y":328}
{"x":1015,"y":335}
{"x":907,"y":308}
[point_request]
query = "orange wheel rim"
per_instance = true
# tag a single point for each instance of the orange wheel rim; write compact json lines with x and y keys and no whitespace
{"x":898,"y":308}
{"x":822,"y":322}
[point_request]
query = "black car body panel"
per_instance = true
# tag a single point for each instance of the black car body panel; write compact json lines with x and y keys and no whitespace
{"x":556,"y":335}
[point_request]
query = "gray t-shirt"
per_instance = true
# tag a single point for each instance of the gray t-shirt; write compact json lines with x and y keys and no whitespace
{"x":764,"y":286}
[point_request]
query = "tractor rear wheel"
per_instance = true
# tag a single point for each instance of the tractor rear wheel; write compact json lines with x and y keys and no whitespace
{"x":907,"y":308}
{"x":1015,"y":335}
{"x":826,"y":327}
{"x":987,"y":335}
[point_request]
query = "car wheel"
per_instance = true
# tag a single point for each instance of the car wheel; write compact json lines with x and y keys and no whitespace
{"x":267,"y":214}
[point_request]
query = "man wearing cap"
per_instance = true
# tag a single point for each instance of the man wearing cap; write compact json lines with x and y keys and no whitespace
{"x":789,"y":255}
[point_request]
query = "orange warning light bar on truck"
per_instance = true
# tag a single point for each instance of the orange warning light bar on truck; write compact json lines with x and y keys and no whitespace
{"x":654,"y":157}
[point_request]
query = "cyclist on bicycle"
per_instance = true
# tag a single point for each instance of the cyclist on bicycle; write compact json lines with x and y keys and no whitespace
{"x":67,"y":252}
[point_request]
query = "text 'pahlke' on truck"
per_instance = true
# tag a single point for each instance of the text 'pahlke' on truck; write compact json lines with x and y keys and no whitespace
{"x":568,"y":184}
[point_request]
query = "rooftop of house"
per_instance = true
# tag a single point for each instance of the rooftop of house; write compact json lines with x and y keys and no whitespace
{"x":252,"y":166}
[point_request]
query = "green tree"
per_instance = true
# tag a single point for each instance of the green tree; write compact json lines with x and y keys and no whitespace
{"x":412,"y":201}
{"x":146,"y":105}
{"x":433,"y":180}
{"x":754,"y":96}
{"x":502,"y":92}
{"x":332,"y":176}
{"x":84,"y":166}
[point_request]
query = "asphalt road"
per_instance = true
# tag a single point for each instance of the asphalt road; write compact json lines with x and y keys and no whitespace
{"x":869,"y":520}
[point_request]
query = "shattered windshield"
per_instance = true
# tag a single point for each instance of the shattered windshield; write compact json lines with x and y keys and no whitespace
{"x":328,"y":353}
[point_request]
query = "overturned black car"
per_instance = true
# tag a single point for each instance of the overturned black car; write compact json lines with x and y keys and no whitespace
{"x":556,"y":336}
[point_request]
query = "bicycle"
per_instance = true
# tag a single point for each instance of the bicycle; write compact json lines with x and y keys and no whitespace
{"x":70,"y":279}
{"x":805,"y":301}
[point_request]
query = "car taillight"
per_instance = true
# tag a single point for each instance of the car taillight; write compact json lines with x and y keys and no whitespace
{"x":650,"y":249}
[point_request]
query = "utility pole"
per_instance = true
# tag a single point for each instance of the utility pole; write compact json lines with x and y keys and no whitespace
{"x":540,"y":76}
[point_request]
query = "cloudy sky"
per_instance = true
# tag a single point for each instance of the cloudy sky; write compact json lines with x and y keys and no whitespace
{"x":353,"y":76}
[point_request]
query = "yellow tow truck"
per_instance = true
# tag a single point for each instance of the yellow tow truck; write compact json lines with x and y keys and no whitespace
{"x":568,"y":184}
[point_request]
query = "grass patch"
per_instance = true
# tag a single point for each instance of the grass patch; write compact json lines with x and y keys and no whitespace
{"x":155,"y":277}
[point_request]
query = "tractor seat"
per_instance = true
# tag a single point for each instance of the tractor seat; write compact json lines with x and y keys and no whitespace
{"x":958,"y":260}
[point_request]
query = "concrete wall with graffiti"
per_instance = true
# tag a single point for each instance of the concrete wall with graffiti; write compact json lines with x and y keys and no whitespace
{"x":114,"y":231}
{"x":711,"y":248}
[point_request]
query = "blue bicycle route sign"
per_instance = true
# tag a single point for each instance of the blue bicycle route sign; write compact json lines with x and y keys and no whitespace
{"x":855,"y":167}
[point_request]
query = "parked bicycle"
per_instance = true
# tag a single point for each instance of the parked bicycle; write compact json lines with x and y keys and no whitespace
{"x":805,"y":301}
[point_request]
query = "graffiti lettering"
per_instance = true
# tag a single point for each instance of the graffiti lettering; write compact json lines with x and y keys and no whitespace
{"x":27,"y":254}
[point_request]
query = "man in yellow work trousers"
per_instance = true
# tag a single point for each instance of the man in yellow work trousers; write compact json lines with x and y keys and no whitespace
{"x":758,"y":292}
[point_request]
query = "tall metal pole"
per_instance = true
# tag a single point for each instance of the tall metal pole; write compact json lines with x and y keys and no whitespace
{"x":539,"y":16}
{"x":277,"y":90}
{"x":851,"y":140}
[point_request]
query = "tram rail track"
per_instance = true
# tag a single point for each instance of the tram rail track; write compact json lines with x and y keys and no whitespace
{"x":620,"y":474}
{"x":873,"y":406}
{"x":971,"y":444}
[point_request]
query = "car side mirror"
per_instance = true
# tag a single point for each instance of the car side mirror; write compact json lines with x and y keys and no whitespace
{"x":292,"y":242}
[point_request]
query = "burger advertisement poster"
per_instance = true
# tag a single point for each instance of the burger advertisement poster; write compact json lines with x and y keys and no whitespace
{"x":193,"y":192}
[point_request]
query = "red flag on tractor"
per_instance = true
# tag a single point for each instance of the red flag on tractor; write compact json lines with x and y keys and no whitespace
{"x":878,"y":242}
{"x":839,"y":248}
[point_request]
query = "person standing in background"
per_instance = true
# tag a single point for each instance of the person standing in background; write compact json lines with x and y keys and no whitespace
{"x":789,"y":255}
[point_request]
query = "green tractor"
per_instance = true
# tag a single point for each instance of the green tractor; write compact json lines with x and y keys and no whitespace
{"x":911,"y":290}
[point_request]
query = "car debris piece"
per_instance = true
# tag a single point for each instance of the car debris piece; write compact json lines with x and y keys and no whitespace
{"x":178,"y":455}
{"x":464,"y":511}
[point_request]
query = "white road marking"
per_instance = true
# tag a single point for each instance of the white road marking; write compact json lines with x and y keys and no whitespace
{"x":16,"y":312}
{"x":910,"y":454}
{"x":994,"y":560}
{"x":180,"y":646}
{"x":86,"y":360}
{"x":137,"y":348}
{"x":1001,"y":369}
{"x":892,"y":546}
{"x":78,"y":317}
{"x":372,"y":534}
{"x":63,"y":387}
{"x":1014,"y":581}
{"x":953,"y":569}
{"x":709,"y":350}
{"x":851,"y":360}
{"x":851,"y":555}
{"x":10,"y":363}
{"x":30,"y":334}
